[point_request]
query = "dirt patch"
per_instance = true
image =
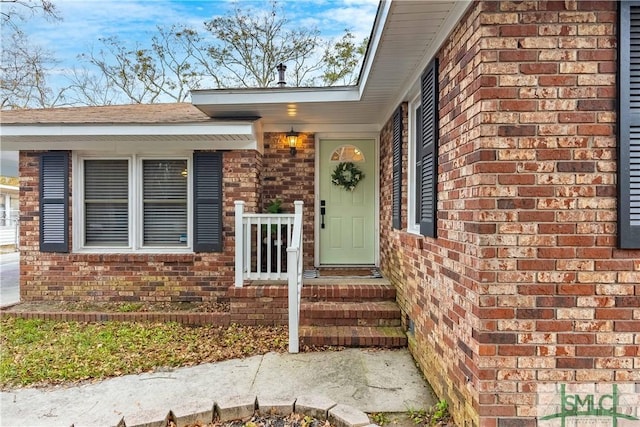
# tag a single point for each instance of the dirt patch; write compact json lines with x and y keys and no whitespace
{"x":121,"y":307}
{"x":292,"y":420}
{"x":301,"y":420}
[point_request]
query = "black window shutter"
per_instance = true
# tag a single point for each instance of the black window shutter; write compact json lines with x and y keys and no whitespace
{"x":428,"y":157}
{"x":54,"y":201}
{"x":397,"y":168}
{"x":629,"y":126}
{"x":207,"y":188}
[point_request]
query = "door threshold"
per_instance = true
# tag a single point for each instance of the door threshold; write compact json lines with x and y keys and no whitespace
{"x":343,"y":271}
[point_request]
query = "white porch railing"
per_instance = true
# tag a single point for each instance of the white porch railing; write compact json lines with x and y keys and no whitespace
{"x":9,"y":232}
{"x":261,"y":240}
{"x":295,"y":273}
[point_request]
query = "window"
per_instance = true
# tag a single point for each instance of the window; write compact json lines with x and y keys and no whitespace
{"x":134,"y":202}
{"x":423,"y":154}
{"x":347,"y":153}
{"x":106,"y":203}
{"x":145,"y":203}
{"x":164,"y":202}
{"x":629,"y":126}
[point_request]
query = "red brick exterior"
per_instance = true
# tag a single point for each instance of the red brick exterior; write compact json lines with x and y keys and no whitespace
{"x":524,"y":283}
{"x":248,"y":175}
{"x":290,"y":178}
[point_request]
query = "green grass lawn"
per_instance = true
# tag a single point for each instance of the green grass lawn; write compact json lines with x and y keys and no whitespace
{"x":39,"y":352}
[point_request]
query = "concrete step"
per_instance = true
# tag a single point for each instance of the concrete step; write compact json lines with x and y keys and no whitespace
{"x":348,"y":290}
{"x":353,"y":336}
{"x":333,"y":313}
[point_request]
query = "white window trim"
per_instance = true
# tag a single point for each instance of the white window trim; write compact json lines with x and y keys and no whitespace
{"x":135,"y":204}
{"x":413,"y":226}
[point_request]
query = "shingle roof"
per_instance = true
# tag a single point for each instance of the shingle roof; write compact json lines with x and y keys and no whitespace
{"x":116,"y":114}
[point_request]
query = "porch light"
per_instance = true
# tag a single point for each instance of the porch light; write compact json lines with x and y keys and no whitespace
{"x":292,"y":140}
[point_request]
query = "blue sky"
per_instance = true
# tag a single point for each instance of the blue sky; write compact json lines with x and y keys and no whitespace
{"x":85,"y":21}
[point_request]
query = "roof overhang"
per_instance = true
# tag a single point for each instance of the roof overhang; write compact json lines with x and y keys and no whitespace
{"x":218,"y":135}
{"x":406,"y":35}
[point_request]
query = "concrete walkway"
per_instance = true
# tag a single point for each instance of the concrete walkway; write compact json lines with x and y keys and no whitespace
{"x":368,"y":380}
{"x":9,"y":278}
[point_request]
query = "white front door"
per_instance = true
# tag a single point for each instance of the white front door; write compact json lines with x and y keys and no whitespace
{"x":347,"y":228}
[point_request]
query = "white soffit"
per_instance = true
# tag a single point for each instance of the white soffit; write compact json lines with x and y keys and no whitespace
{"x":112,"y":137}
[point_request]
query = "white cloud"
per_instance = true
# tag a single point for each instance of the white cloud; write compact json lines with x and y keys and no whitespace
{"x":84,"y":22}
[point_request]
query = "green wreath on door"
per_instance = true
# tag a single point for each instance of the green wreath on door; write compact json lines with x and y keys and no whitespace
{"x":347,"y":175}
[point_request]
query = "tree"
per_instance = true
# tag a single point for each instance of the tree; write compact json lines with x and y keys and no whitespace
{"x":23,"y":75}
{"x":166,"y":70}
{"x":87,"y":88}
{"x":249,"y":44}
{"x":341,"y":59}
{"x":239,"y":49}
{"x":25,"y":67}
{"x":18,"y":10}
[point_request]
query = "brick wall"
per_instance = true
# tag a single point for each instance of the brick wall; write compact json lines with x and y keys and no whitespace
{"x":524,"y":284}
{"x":290,"y":178}
{"x":437,"y":278}
{"x":131,"y":277}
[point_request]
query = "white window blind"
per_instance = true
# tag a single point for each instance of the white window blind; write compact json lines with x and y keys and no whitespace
{"x":106,"y":202}
{"x":164,"y":187}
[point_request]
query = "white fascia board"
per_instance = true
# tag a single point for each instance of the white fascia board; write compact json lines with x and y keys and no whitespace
{"x":376,"y":37}
{"x":220,"y":128}
{"x":129,"y":145}
{"x":273,"y":96}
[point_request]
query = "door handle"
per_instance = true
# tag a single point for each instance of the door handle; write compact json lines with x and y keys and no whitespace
{"x":323,"y":211}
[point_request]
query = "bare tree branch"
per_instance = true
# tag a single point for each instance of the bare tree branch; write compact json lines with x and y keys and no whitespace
{"x":249,"y":44}
{"x":87,"y":88}
{"x":23,"y":75}
{"x":21,"y":10}
{"x":239,"y":49}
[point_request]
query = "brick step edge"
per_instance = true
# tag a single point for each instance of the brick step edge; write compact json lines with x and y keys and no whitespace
{"x":196,"y":319}
{"x":369,"y":313}
{"x":317,"y":292}
{"x":348,"y":293}
{"x":353,"y":336}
